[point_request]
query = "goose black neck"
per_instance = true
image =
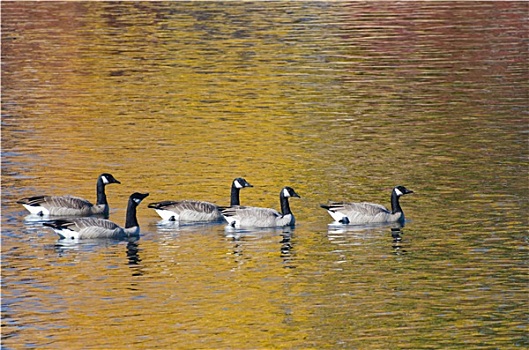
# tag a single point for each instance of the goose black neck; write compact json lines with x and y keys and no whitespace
{"x":131,"y":220}
{"x":285,"y":206}
{"x":235,"y":200}
{"x":101,"y":195}
{"x":395,"y":205}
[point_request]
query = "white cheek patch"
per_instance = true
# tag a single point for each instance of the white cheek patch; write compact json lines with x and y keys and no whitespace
{"x":237,"y":184}
{"x":138,"y":201}
{"x":286,"y":193}
{"x":398,"y":192}
{"x":105,"y":180}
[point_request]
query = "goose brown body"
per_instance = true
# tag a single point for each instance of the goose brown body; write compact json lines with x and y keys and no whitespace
{"x":245,"y":216}
{"x":197,"y":211}
{"x":368,"y":213}
{"x":92,"y":227}
{"x":71,"y":205}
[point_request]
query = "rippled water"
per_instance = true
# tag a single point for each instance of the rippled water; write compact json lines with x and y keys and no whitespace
{"x":339,"y":100}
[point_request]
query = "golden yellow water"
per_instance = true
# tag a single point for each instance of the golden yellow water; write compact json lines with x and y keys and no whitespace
{"x":339,"y":100}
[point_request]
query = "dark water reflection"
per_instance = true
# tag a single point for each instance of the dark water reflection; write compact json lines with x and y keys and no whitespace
{"x":340,"y":100}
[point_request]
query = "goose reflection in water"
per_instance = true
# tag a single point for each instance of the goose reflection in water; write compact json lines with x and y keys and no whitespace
{"x":337,"y":227}
{"x":286,"y":248}
{"x":133,"y":258}
{"x":356,"y":234}
{"x":396,"y":234}
{"x":133,"y":253}
{"x":132,"y":249}
{"x":176,"y":227}
{"x":62,"y":245}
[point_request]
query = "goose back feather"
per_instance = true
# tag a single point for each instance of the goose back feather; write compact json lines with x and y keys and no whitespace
{"x":59,"y":206}
{"x":187,"y":210}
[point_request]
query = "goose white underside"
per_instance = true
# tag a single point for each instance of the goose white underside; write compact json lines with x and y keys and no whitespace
{"x":337,"y":216}
{"x":167,"y":215}
{"x":37,"y":210}
{"x":67,"y":234}
{"x":233,"y":222}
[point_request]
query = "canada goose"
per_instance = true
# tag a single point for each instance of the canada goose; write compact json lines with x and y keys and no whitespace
{"x":189,"y":210}
{"x":367,"y":213}
{"x":69,"y":205}
{"x":243,"y":216}
{"x":91,"y":228}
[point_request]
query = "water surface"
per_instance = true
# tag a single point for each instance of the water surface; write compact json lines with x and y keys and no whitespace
{"x":339,"y":100}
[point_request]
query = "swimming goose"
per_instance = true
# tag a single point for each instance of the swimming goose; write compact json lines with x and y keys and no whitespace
{"x":189,"y":210}
{"x":368,"y":213}
{"x":70,"y":205}
{"x":92,"y":227}
{"x":243,"y":216}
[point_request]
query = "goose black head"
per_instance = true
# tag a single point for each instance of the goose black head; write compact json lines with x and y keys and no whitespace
{"x":289,"y":192}
{"x":108,"y":179}
{"x":401,"y":191}
{"x":137,"y":197}
{"x":241,"y":183}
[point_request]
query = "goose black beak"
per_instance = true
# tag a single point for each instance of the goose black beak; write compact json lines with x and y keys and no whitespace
{"x":144,"y":195}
